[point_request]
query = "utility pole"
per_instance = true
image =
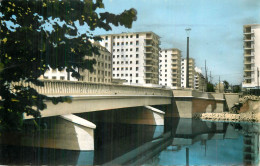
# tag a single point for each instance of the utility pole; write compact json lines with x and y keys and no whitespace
{"x":257,"y":79}
{"x":187,"y":60}
{"x":219,"y":84}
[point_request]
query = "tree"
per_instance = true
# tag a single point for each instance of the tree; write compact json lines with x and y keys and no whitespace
{"x":226,"y":85}
{"x":210,"y":87}
{"x":38,"y":34}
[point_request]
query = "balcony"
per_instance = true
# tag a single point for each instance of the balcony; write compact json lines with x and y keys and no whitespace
{"x":248,"y":47}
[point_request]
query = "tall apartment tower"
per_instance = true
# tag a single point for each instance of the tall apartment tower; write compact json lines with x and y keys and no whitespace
{"x":170,"y":68}
{"x":191,"y":72}
{"x":135,"y":56}
{"x":102,"y":69}
{"x":251,"y":56}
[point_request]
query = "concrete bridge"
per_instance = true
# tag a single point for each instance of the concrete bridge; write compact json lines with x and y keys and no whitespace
{"x":70,"y":125}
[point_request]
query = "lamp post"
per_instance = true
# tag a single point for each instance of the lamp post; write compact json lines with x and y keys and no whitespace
{"x":187,"y":63}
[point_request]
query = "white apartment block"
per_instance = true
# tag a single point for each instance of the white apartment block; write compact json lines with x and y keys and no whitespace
{"x":184,"y":73}
{"x":135,"y":56}
{"x":251,"y":55}
{"x":102,"y":69}
{"x":170,"y":68}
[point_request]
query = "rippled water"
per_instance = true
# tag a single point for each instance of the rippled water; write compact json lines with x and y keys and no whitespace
{"x":179,"y":142}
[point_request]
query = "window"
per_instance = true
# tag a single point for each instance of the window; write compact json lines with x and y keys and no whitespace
{"x":114,"y":62}
{"x":137,"y":55}
{"x":95,"y":79}
{"x":130,"y":69}
{"x":113,"y":50}
{"x":122,"y":75}
{"x":117,"y":75}
{"x":136,"y":81}
{"x":122,"y":50}
{"x":117,"y":43}
{"x":131,"y":43}
{"x":118,"y":68}
{"x":122,"y":68}
{"x":126,"y":36}
{"x":137,"y":42}
{"x":117,"y":62}
{"x":118,"y":37}
{"x":137,"y":35}
{"x":126,"y":56}
{"x":131,"y":49}
{"x":113,"y":75}
{"x":118,"y":56}
{"x":126,"y":75}
{"x":117,"y":50}
{"x":126,"y":43}
{"x":126,"y":49}
{"x":45,"y":77}
{"x":126,"y":68}
{"x":114,"y":37}
{"x":137,"y":69}
{"x":113,"y":56}
{"x":136,"y":62}
{"x":137,"y":49}
{"x":106,"y":44}
{"x":130,"y":62}
{"x":126,"y":62}
{"x":122,"y":37}
{"x":62,"y":78}
{"x":130,"y":75}
{"x":136,"y":74}
{"x":106,"y":37}
{"x":131,"y":36}
{"x":122,"y":62}
{"x":122,"y":56}
{"x":122,"y":43}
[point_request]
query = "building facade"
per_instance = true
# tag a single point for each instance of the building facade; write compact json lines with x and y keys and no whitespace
{"x":191,"y":73}
{"x":135,"y":56}
{"x":251,"y":55}
{"x":199,"y":82}
{"x":102,"y":69}
{"x":170,"y":68}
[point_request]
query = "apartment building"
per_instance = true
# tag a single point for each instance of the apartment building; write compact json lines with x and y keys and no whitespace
{"x":102,"y":69}
{"x":251,"y":55}
{"x":184,"y":73}
{"x":170,"y":68}
{"x":135,"y":56}
{"x":199,"y":82}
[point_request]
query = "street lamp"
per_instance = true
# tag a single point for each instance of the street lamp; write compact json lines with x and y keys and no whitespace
{"x":187,"y":63}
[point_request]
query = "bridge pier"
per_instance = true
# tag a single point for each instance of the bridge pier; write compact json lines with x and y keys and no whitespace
{"x":68,"y":132}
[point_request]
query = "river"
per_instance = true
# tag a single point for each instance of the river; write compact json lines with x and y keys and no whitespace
{"x":178,"y":142}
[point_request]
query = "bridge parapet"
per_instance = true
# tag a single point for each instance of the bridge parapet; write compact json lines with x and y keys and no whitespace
{"x":61,"y":87}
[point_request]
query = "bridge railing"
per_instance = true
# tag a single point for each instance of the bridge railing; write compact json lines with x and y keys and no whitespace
{"x":61,"y":87}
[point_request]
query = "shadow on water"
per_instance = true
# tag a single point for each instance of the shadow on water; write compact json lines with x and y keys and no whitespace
{"x":178,"y":142}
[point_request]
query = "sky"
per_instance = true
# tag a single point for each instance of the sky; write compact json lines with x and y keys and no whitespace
{"x":216,"y":35}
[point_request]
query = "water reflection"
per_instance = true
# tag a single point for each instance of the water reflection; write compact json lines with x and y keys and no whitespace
{"x":179,"y":142}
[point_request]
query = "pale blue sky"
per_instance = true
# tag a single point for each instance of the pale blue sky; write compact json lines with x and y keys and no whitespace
{"x":217,"y":29}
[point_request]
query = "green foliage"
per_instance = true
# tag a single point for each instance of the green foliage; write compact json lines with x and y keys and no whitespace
{"x":210,"y":87}
{"x":236,"y":89}
{"x":27,"y":51}
{"x":226,"y":85}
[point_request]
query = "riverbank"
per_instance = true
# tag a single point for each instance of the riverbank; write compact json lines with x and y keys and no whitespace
{"x":248,"y":109}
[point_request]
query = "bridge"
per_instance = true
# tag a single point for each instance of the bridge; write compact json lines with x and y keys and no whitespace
{"x":70,"y":125}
